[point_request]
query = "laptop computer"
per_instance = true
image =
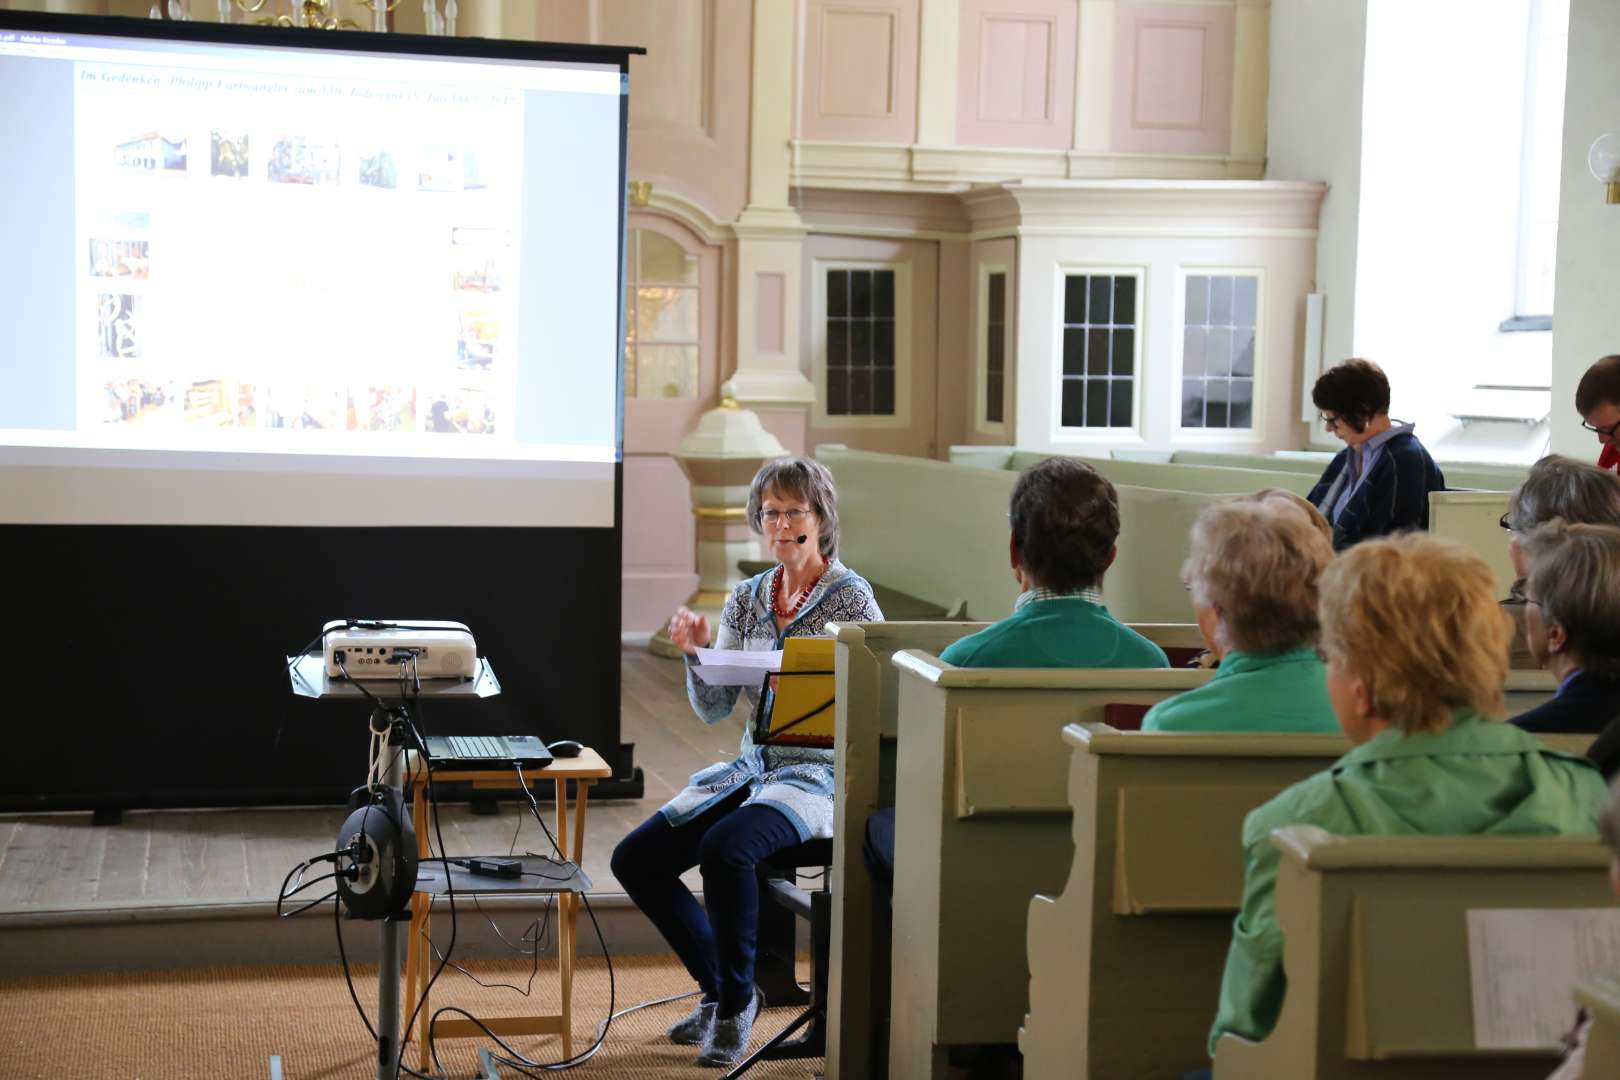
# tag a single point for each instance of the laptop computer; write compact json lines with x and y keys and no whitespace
{"x":488,"y":750}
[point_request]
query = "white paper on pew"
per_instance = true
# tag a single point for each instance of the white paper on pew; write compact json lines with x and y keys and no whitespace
{"x":729,"y":674}
{"x":1524,"y":963}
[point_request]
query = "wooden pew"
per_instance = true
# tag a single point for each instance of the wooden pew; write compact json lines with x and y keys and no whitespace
{"x":868,"y":688}
{"x":1376,"y":948}
{"x":1125,"y":965}
{"x":1143,"y":924}
{"x":983,"y":824}
{"x":1473,"y":519}
{"x":1600,"y":997}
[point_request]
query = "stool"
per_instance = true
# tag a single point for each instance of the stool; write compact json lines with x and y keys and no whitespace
{"x":781,"y":902}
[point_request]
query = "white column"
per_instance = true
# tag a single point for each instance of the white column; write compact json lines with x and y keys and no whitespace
{"x":1251,"y":69}
{"x":937,"y":51}
{"x":1586,"y":323}
{"x":1094,"y":77}
{"x":770,"y":236}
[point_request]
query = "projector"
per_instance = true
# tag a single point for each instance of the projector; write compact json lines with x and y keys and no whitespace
{"x":374,"y":649}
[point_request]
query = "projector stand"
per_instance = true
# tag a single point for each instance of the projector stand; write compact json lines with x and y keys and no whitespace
{"x":309,"y":679}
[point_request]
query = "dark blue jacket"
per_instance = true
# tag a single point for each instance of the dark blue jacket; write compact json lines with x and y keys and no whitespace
{"x":1394,"y":497}
{"x":1585,"y":704}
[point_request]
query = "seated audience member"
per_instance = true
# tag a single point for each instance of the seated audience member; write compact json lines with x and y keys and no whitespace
{"x":1284,"y":497}
{"x":1574,"y":1063}
{"x":1555,"y":487}
{"x":1597,"y":399}
{"x":1065,"y":519}
{"x":1572,"y":623}
{"x":1253,"y":573}
{"x":1416,"y":659}
{"x":1380,"y":482}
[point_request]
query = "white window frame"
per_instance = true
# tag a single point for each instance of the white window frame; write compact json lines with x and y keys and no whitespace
{"x":1522,"y":318}
{"x":982,"y":425}
{"x":1061,"y":435}
{"x":820,"y":418}
{"x":1256,"y":431}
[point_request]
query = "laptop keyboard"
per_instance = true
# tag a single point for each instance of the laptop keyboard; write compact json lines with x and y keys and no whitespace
{"x":478,"y":746}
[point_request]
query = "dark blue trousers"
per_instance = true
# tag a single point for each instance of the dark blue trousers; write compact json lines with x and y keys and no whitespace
{"x":727,"y":842}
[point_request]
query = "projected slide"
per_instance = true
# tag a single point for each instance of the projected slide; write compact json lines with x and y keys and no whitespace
{"x":286,"y":256}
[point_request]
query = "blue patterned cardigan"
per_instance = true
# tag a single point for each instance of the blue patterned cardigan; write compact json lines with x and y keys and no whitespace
{"x":797,"y":780}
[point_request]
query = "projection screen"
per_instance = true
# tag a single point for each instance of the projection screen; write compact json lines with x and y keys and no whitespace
{"x":253,"y":285}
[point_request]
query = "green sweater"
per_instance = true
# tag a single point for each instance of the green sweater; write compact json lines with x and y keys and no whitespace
{"x":1477,"y":777}
{"x":1061,"y":632}
{"x":1285,"y":691}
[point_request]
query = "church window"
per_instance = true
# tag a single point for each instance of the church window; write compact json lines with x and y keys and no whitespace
{"x":661,"y":344}
{"x":860,"y":326}
{"x":1098,"y":383}
{"x":1217,"y":351}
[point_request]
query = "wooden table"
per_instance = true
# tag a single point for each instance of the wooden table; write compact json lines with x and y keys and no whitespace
{"x":583,"y":770}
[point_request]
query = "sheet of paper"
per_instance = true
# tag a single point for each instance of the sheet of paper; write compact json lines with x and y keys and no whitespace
{"x":1524,"y":964}
{"x":729,"y":675}
{"x":768,"y":660}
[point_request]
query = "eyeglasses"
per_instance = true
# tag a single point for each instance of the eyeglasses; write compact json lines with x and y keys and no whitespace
{"x":1329,"y":421}
{"x":792,"y":517}
{"x":1606,"y":432}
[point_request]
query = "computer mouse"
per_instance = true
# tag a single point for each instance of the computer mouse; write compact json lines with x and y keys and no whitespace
{"x":565,"y":748}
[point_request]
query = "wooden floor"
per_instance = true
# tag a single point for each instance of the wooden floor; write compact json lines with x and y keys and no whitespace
{"x":61,"y":862}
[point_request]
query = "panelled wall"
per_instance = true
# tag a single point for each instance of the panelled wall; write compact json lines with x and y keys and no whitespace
{"x":1008,"y":89}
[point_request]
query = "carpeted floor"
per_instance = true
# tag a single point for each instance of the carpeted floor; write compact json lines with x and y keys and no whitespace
{"x":209,"y":1023}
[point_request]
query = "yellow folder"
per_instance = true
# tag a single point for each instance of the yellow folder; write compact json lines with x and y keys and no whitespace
{"x":802,"y":712}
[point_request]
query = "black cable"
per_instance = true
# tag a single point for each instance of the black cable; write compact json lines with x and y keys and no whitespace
{"x":312,"y":903}
{"x":348,"y":977}
{"x":412,"y":720}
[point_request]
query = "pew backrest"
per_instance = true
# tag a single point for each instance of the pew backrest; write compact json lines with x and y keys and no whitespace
{"x":1376,"y":949}
{"x":982,"y":824}
{"x":1473,"y":519}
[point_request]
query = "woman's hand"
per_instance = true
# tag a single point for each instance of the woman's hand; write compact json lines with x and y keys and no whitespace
{"x":689,"y":631}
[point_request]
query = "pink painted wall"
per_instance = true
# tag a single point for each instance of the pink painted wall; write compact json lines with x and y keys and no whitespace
{"x":1173,"y":78}
{"x":688,"y":96}
{"x":860,"y":71}
{"x":1015,"y":73}
{"x":660,"y":541}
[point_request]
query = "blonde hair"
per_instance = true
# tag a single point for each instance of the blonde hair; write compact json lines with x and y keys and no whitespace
{"x":1575,"y":579}
{"x":1257,"y":563}
{"x":1282,"y":497}
{"x":1415,"y":618}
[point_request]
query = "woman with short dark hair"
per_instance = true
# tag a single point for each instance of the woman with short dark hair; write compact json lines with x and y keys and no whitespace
{"x":1380,"y":482}
{"x":736,"y":813}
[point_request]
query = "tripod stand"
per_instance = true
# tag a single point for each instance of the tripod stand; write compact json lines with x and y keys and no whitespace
{"x":309,"y":679}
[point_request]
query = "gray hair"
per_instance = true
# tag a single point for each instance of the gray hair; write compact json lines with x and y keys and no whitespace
{"x":1575,"y":580}
{"x":1561,"y":487}
{"x":799,"y":478}
{"x":1258,"y":564}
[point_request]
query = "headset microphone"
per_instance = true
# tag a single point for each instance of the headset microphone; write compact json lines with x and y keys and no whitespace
{"x":801,"y":538}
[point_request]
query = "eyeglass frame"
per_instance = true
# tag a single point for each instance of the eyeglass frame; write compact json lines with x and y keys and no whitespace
{"x":794,"y":516}
{"x":1602,"y":432}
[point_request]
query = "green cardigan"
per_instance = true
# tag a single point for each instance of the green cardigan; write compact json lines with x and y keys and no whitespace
{"x":1061,"y":632}
{"x":1268,"y":692}
{"x":1478,"y":776}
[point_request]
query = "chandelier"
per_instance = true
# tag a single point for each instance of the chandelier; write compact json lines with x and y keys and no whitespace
{"x":315,"y":14}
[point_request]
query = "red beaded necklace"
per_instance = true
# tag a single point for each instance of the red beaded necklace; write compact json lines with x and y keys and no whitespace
{"x":802,"y":596}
